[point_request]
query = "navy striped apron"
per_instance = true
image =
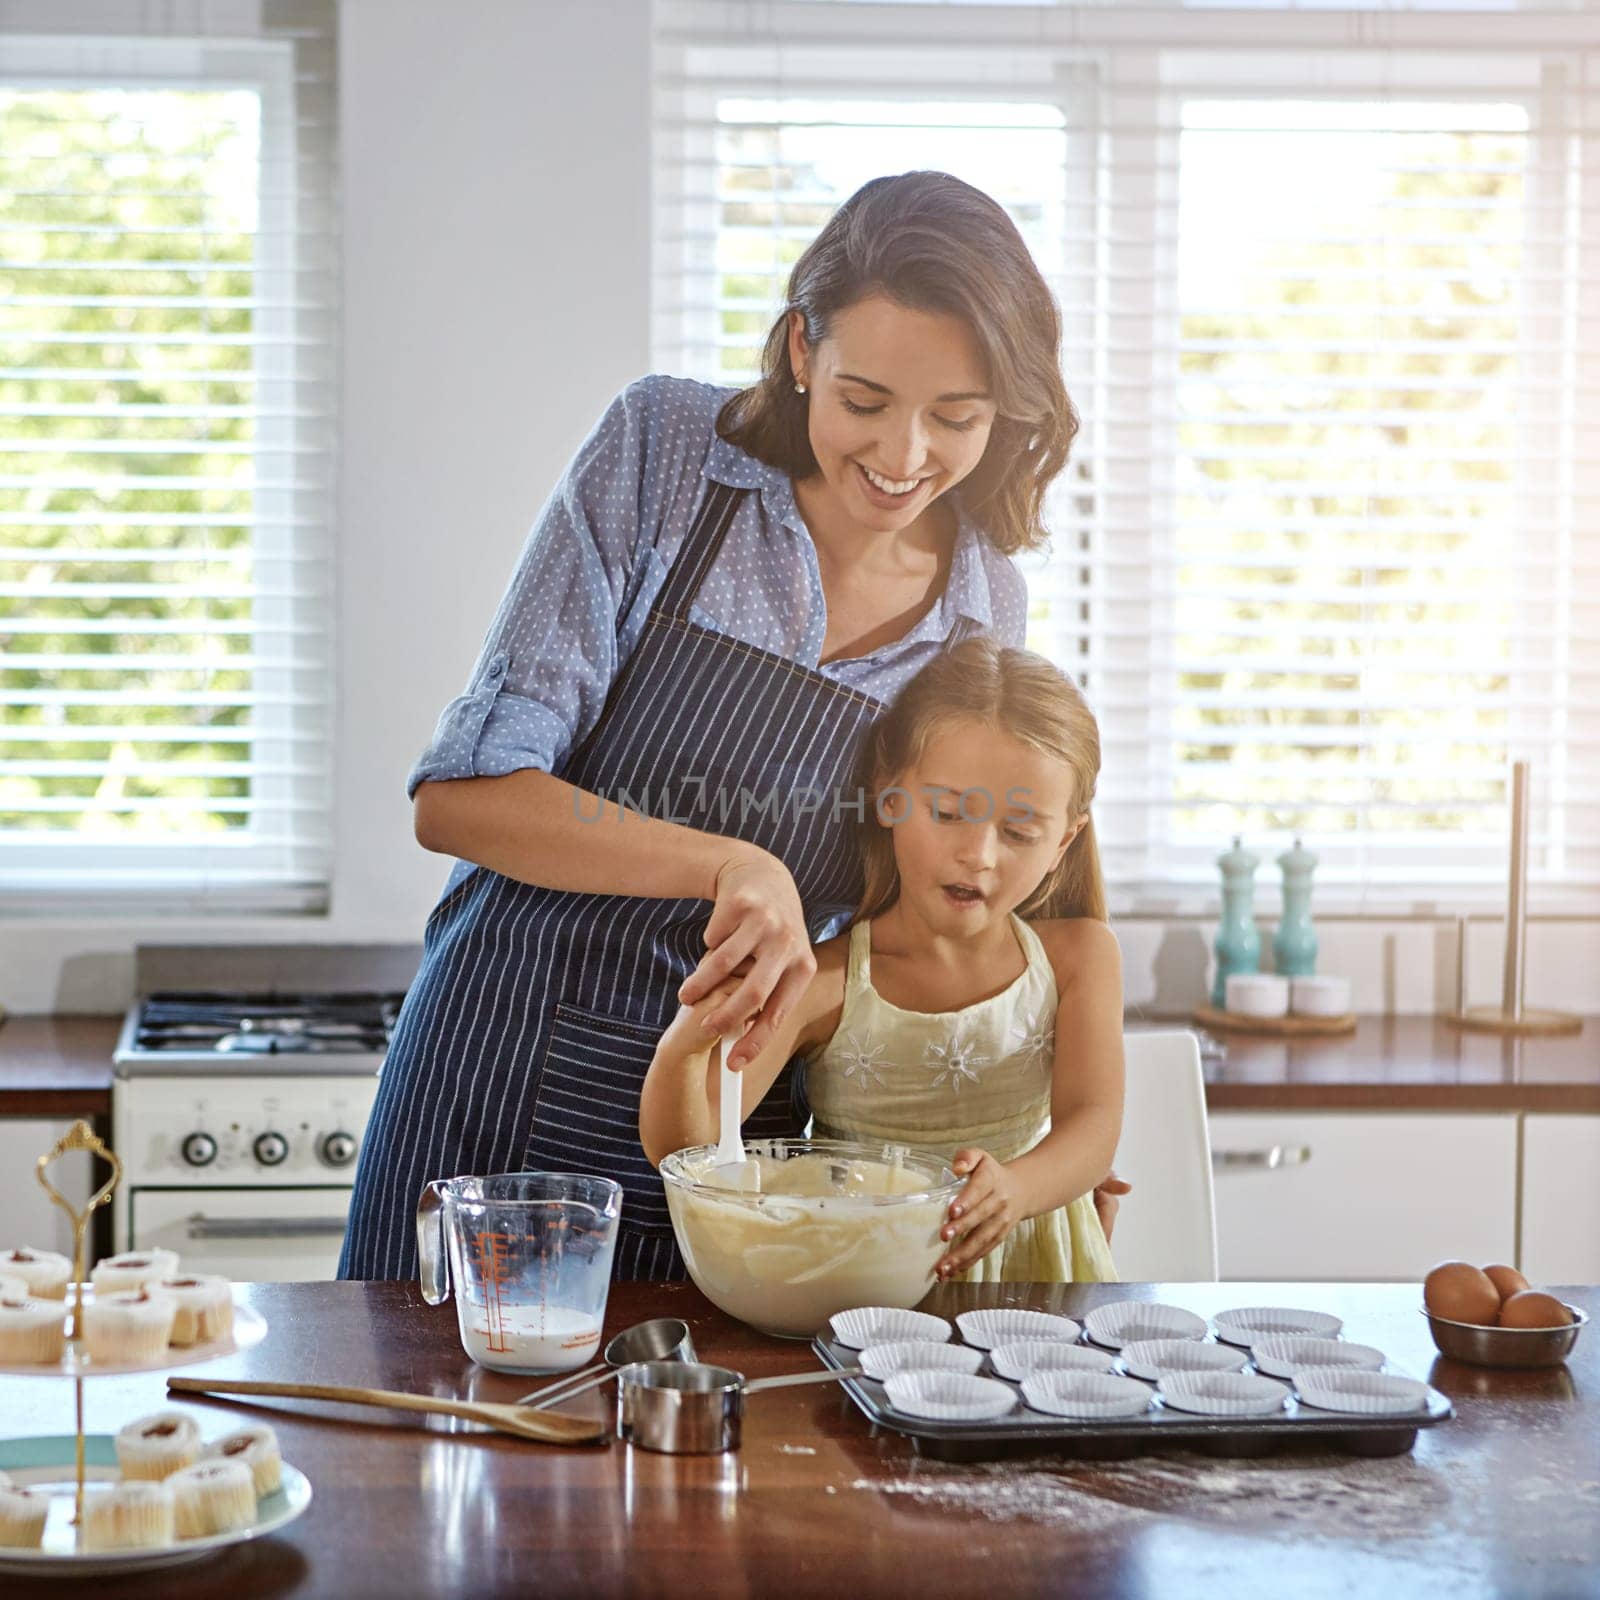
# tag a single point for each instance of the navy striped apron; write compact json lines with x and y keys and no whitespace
{"x":524,"y":1039}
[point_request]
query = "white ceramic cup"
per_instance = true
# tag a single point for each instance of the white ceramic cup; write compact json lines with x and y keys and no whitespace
{"x":1319,"y":997}
{"x":1258,"y":994}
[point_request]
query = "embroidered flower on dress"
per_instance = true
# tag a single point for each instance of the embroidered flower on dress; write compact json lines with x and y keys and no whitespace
{"x":864,"y":1057}
{"x":954,"y":1061}
{"x":1035,"y":1042}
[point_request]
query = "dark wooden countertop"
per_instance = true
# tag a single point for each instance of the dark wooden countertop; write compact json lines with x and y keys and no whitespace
{"x":1402,"y":1064}
{"x":62,"y":1066}
{"x":56,"y":1066}
{"x":1504,"y":1499}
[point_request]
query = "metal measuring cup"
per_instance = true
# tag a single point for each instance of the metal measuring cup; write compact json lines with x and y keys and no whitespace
{"x":660,"y":1339}
{"x":694,"y":1408}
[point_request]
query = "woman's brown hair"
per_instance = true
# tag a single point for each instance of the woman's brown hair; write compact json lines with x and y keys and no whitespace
{"x":930,"y":243}
{"x":1017,"y":693}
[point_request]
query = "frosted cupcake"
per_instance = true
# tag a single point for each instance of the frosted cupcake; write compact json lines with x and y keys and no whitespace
{"x":45,"y":1273}
{"x":212,"y":1497}
{"x":205,"y":1308}
{"x":156,"y":1446}
{"x":128,"y":1516}
{"x":134,"y":1325}
{"x":257,"y":1447}
{"x":23,"y":1513}
{"x":133,"y":1270}
{"x":31,"y":1330}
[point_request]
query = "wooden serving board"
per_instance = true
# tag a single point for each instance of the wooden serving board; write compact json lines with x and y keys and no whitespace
{"x":1275,"y":1027}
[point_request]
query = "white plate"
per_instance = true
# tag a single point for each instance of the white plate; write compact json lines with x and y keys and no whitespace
{"x":1017,"y":1361}
{"x":1281,"y":1355}
{"x":864,"y":1325}
{"x":882,"y":1361}
{"x":249,"y":1328}
{"x":1006,"y":1325}
{"x":949,"y":1396}
{"x":1088,"y":1395}
{"x":1125,"y":1321}
{"x":1155,"y":1358}
{"x":48,"y":1462}
{"x":1222,"y":1394}
{"x":1249,"y":1324}
{"x":1365,"y":1394}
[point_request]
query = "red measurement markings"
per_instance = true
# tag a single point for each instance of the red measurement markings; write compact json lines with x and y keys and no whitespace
{"x":493,"y":1251}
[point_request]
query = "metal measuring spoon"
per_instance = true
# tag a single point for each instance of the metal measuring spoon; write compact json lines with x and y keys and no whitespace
{"x":659,"y":1339}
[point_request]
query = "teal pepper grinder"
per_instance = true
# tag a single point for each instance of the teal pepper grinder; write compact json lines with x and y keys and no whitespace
{"x":1238,"y":943}
{"x":1294,"y":945}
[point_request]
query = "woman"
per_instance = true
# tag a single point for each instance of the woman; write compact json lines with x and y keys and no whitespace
{"x":723,"y":591}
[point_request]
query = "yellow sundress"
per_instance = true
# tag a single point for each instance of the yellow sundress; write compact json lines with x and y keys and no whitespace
{"x":943,"y":1080}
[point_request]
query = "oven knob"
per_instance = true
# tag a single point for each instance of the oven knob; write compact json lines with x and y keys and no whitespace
{"x":271,"y":1149}
{"x":339,"y":1149}
{"x":199,"y":1149}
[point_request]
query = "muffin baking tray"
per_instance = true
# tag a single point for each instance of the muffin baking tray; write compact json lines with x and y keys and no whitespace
{"x":1023,"y":1431}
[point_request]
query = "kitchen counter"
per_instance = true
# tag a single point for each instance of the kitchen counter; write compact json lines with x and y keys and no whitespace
{"x":52,"y":1065}
{"x":1402,"y":1064}
{"x":1503,"y":1499}
{"x":57,"y":1066}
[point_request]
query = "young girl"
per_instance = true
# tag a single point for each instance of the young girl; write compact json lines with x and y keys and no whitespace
{"x":974,"y":1007}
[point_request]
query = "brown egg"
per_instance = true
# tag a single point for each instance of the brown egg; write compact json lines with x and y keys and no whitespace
{"x":1532,"y":1309}
{"x":1507,"y":1280}
{"x":1459,"y":1292}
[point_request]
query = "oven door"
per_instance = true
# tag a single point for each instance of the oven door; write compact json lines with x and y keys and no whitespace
{"x":264,"y":1235}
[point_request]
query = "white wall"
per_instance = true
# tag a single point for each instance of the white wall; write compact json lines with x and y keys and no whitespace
{"x":496,"y":187}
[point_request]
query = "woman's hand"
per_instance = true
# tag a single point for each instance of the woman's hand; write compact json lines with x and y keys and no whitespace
{"x":1106,"y":1203}
{"x":987,"y":1209}
{"x":757,"y":927}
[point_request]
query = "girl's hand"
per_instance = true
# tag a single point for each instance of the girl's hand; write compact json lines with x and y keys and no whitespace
{"x":987,"y":1209}
{"x":1106,"y":1203}
{"x":758,"y":927}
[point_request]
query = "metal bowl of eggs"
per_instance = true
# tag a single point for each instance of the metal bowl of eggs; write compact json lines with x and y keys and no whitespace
{"x":1491,"y":1317}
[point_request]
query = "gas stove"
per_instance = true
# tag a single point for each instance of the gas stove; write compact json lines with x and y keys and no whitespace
{"x":205,"y":1033}
{"x":241,"y":1098}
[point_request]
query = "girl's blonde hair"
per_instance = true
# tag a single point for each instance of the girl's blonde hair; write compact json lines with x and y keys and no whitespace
{"x":1019,"y":694}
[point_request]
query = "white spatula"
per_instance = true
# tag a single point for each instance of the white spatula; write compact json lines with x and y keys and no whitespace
{"x":733,"y":1169}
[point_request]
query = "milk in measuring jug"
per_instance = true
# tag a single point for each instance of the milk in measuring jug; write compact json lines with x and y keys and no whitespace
{"x":530,"y":1338}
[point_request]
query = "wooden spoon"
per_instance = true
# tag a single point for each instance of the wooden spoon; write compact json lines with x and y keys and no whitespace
{"x":547,"y":1427}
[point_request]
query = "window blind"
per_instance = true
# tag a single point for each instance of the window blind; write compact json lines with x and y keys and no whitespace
{"x":167,"y":390}
{"x":1326,"y":557}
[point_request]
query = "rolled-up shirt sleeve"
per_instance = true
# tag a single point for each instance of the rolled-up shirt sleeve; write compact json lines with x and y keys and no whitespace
{"x":553,"y":649}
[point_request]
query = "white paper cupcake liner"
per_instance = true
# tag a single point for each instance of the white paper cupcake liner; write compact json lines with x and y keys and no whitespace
{"x":864,"y":1325}
{"x":882,"y":1361}
{"x":1006,"y":1325}
{"x":1222,"y":1394}
{"x":1020,"y":1359}
{"x":1364,"y":1394}
{"x":1126,"y":1321}
{"x":1281,"y":1355}
{"x":1248,"y":1324}
{"x":1088,"y":1395}
{"x":1155,"y":1358}
{"x":949,"y":1396}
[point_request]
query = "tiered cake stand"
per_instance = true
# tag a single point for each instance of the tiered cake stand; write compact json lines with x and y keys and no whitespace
{"x":68,"y":1465}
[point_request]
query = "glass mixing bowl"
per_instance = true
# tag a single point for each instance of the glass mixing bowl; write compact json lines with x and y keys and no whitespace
{"x":834,"y":1224}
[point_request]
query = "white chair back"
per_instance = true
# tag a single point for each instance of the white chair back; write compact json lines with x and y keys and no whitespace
{"x":1166,"y":1230}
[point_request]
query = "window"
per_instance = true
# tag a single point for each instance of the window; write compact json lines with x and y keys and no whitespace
{"x":166,"y":471}
{"x":1326,"y":558}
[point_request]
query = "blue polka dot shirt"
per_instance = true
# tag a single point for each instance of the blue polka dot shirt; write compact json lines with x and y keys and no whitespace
{"x":597,"y":558}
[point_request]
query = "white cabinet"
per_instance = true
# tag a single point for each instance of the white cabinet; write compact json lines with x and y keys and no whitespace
{"x":1380,"y":1195}
{"x":1560,"y":1199}
{"x":30,"y":1216}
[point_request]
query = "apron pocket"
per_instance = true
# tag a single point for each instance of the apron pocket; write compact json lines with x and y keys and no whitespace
{"x":586,"y":1112}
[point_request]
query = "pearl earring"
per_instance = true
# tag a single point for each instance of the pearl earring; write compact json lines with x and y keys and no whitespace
{"x":799,"y":388}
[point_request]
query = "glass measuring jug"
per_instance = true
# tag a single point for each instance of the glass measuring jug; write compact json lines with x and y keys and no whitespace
{"x":530,"y":1257}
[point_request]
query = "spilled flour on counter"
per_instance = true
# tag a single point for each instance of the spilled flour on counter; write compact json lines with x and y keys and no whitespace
{"x":797,"y":1450}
